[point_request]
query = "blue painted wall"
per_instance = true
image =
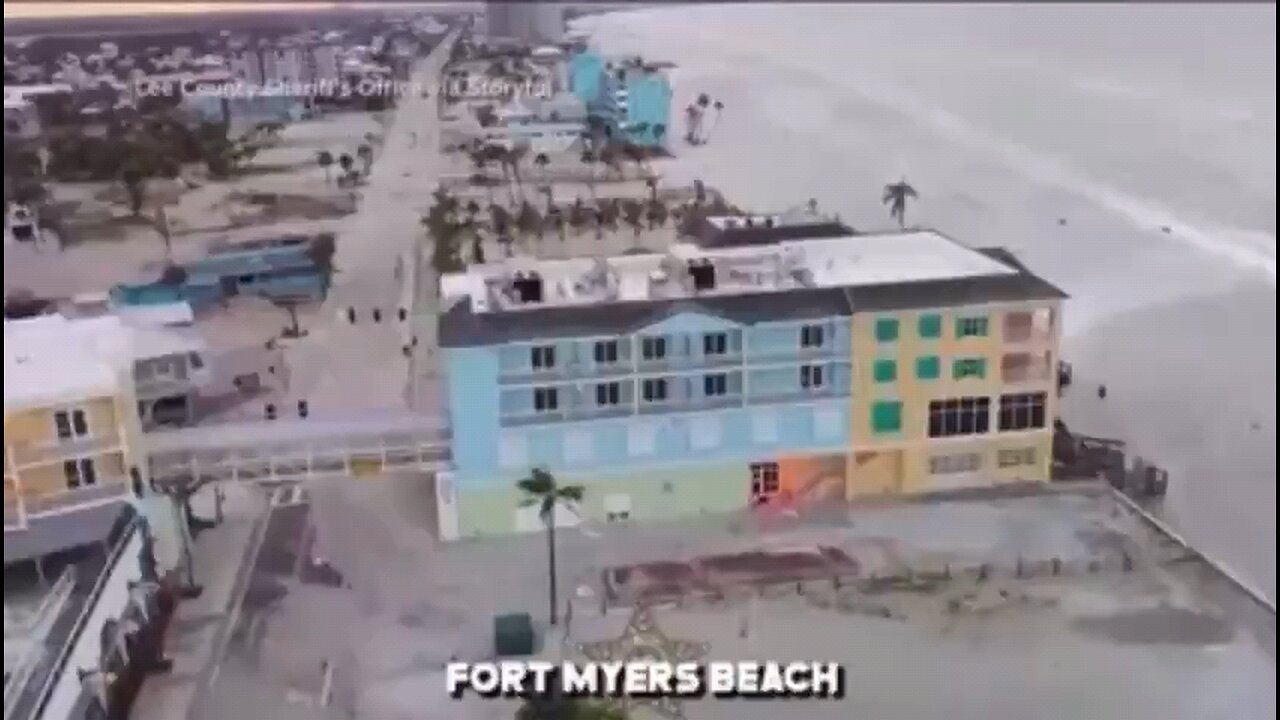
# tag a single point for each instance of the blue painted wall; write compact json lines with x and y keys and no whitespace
{"x":648,"y":101}
{"x":585,"y":71}
{"x":473,"y":408}
{"x":491,"y":397}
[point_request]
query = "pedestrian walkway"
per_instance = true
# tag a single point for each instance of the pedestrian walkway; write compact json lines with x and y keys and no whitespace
{"x":200,"y":625}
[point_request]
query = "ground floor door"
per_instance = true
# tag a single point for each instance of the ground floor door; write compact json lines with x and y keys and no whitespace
{"x":766,"y":483}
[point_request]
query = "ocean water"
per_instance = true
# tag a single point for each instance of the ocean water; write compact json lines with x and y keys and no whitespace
{"x":1125,"y":152}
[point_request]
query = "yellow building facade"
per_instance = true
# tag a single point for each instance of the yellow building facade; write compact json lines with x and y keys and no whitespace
{"x":952,"y":397}
{"x":71,"y":426}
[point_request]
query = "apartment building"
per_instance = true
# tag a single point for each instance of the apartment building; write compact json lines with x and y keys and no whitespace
{"x":72,"y":423}
{"x":733,"y":372}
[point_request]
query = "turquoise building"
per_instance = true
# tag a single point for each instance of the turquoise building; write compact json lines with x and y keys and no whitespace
{"x":632,"y":100}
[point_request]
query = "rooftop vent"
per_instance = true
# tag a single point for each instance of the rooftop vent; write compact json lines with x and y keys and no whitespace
{"x":703,"y":274}
{"x":768,"y":222}
{"x":751,"y":222}
{"x":528,"y":287}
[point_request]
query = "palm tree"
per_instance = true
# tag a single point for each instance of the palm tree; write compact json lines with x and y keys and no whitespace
{"x":324,"y":159}
{"x":541,"y":488}
{"x":895,"y":196}
{"x":542,"y":161}
{"x":693,"y":124}
{"x":659,"y":132}
{"x":365,"y":153}
{"x":715,"y":121}
{"x":633,"y":213}
{"x":577,"y":215}
{"x":568,"y":708}
{"x":589,"y":158}
{"x":346,"y":162}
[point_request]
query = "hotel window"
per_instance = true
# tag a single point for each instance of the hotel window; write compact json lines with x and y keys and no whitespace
{"x":1022,"y":411}
{"x":715,"y":344}
{"x":885,"y":371}
{"x":545,"y":399}
{"x":886,"y":416}
{"x":606,"y":352}
{"x":764,"y":479}
{"x":969,"y":368}
{"x":928,"y":367}
{"x":1016,"y":457}
{"x":608,"y":394}
{"x":811,"y":336}
{"x":70,"y":424}
{"x":655,"y":389}
{"x":886,"y":330}
{"x":971,"y":327}
{"x":811,"y":376}
{"x":958,"y":463}
{"x":653,"y":348}
{"x":930,"y":326}
{"x":543,"y":357}
{"x":715,"y":385}
{"x":80,"y":473}
{"x":959,"y":416}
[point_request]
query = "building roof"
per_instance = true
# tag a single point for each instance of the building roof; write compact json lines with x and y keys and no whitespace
{"x":838,"y":276}
{"x":53,"y":359}
{"x":727,"y":231}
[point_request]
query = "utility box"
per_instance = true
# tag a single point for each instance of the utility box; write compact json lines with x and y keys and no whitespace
{"x":513,"y":634}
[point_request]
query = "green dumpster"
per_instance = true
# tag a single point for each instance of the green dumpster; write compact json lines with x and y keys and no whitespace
{"x":513,"y":634}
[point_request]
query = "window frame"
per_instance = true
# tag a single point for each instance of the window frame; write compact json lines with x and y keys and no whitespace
{"x":812,"y":336}
{"x":812,"y":377}
{"x":880,"y":364}
{"x":934,"y":361}
{"x":879,"y":406}
{"x":654,"y":390}
{"x":1013,"y":407}
{"x":542,"y":357}
{"x":546,"y":399}
{"x":715,"y":344}
{"x":959,"y":416}
{"x":715,"y":385}
{"x":887,"y":329}
{"x":929,"y":326}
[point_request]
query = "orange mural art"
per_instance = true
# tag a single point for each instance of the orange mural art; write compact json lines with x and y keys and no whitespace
{"x":805,"y":479}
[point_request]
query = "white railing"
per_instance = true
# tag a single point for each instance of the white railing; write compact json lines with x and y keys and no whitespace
{"x":269,"y":452}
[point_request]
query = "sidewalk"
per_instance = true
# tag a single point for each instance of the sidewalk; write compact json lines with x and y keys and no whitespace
{"x":200,"y":625}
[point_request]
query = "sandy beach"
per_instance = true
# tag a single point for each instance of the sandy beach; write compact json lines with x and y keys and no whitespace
{"x":1127,"y":153}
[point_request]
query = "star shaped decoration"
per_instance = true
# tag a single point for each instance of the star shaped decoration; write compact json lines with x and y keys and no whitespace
{"x":644,"y":641}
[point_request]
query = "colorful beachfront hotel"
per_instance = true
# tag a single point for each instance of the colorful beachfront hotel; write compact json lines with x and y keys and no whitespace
{"x":767,"y":361}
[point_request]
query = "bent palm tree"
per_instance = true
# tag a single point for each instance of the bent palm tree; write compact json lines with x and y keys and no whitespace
{"x":541,"y":488}
{"x":896,"y":196}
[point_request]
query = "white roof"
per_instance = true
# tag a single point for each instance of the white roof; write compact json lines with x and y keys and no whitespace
{"x":850,"y":261}
{"x":52,"y":359}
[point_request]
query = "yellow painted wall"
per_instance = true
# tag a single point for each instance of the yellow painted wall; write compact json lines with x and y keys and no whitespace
{"x":914,"y":394}
{"x":36,"y":426}
{"x":50,"y":479}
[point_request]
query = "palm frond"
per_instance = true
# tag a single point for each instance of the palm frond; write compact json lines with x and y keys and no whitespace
{"x":571,"y":493}
{"x":537,"y":484}
{"x":908,"y":191}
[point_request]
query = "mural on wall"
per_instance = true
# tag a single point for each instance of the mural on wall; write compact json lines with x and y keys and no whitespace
{"x":808,"y":479}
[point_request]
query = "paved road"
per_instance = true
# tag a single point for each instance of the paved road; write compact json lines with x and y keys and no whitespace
{"x":341,"y":365}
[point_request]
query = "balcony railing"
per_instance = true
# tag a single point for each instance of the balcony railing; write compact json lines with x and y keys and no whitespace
{"x":20,"y":508}
{"x":798,"y":355}
{"x":786,"y":395}
{"x":64,"y":449}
